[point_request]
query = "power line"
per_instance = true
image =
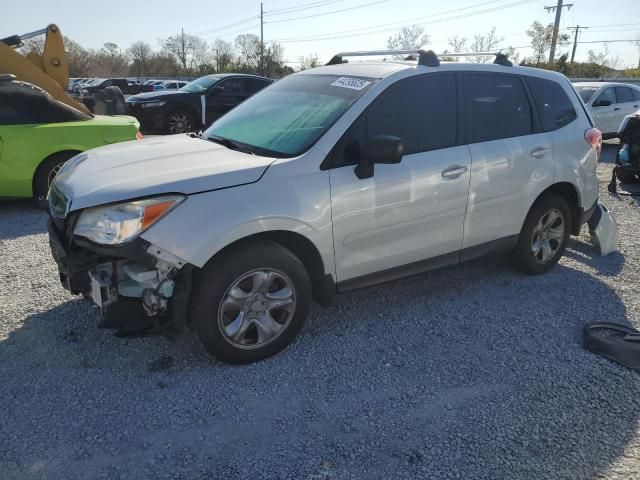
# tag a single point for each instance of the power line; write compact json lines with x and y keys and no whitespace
{"x":376,"y":28}
{"x":399,"y":22}
{"x":328,"y":13}
{"x":298,"y":8}
{"x":226,"y":27}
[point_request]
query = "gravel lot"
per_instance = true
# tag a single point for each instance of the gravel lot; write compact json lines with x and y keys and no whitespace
{"x":471,"y":372}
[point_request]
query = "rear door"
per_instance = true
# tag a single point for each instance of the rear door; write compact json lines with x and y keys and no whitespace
{"x":626,"y":104}
{"x":511,"y":158}
{"x":605,"y":116}
{"x":406,"y":212}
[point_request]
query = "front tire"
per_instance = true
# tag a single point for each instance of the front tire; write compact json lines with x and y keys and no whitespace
{"x":544,"y":235}
{"x":46,"y":172}
{"x":251,"y":303}
{"x":179,"y":121}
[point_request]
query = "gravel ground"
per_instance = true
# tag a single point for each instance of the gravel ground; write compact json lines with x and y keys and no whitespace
{"x":471,"y":372}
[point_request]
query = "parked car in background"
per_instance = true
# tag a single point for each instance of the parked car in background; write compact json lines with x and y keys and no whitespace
{"x":38,"y":134}
{"x":102,"y":83}
{"x":169,"y":85}
{"x":609,"y":103}
{"x":195,"y":105}
{"x":331,"y":179}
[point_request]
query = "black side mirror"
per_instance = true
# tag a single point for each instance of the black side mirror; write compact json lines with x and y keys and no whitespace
{"x":602,"y":103}
{"x":379,"y":149}
{"x":216,"y":90}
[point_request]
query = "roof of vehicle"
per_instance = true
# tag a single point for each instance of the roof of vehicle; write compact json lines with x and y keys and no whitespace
{"x":603,"y":84}
{"x":223,"y":75}
{"x":381,"y":69}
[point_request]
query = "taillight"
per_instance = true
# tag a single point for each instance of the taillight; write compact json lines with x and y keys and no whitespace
{"x":594,"y":137}
{"x":139,"y":135}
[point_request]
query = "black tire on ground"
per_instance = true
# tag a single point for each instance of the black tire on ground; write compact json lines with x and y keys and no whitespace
{"x":210,"y":315}
{"x":109,"y":101}
{"x":542,"y":214}
{"x":179,"y":121}
{"x":625,"y":176}
{"x":46,"y":172}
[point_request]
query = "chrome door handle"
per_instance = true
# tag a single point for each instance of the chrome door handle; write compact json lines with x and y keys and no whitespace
{"x":454,"y":171}
{"x":539,"y":152}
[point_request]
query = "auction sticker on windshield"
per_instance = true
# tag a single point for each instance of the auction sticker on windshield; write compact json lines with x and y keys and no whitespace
{"x":350,"y":82}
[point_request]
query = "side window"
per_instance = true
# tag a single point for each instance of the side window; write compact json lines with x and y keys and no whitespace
{"x":496,"y":107}
{"x":552,"y":103}
{"x":636,"y":95}
{"x":255,"y":85}
{"x":233,"y":86}
{"x":623,"y":94}
{"x":607,"y":94}
{"x":17,"y":109}
{"x":421,"y":110}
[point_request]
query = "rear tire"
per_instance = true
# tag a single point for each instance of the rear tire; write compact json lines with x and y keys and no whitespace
{"x":251,"y":303}
{"x":626,"y":176}
{"x":179,"y":121}
{"x":544,"y":235}
{"x":45,"y":174}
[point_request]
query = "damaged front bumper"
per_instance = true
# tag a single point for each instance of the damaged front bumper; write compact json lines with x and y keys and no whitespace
{"x":107,"y":274}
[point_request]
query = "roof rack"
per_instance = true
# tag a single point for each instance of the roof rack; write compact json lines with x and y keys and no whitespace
{"x":428,"y":58}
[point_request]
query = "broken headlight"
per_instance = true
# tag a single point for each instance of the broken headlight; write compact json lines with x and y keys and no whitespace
{"x":119,"y":223}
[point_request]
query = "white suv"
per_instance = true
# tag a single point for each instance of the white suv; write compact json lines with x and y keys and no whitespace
{"x":330,"y":179}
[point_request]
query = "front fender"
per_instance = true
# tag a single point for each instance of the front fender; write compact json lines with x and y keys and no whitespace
{"x":208,"y":222}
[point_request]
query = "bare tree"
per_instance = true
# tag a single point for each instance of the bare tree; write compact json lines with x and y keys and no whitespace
{"x":485,"y":43}
{"x":189,"y":50}
{"x":408,"y":38}
{"x":140,"y":54}
{"x":222,"y":55}
{"x":308,"y":62}
{"x":457,"y":43}
{"x":541,"y":40}
{"x":602,"y":58}
{"x":248,"y":50}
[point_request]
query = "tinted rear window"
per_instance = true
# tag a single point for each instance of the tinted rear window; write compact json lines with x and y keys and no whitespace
{"x":496,"y":107}
{"x":586,"y":92}
{"x":623,"y":94}
{"x":553,"y":105}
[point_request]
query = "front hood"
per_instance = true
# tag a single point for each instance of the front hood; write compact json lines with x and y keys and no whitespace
{"x":170,"y":164}
{"x":159,"y":95}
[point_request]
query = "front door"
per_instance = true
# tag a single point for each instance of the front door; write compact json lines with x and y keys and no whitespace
{"x":223,"y":96}
{"x":411,"y":211}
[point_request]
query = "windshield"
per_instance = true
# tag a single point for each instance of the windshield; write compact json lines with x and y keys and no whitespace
{"x":586,"y":92}
{"x":288,"y":117}
{"x":201,"y":84}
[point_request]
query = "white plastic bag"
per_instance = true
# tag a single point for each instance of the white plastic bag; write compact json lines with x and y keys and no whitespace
{"x":604,"y":230}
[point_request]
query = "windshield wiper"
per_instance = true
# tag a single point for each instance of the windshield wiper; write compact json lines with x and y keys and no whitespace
{"x":230,"y":144}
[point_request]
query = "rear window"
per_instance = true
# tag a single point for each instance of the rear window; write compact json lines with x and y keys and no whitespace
{"x":623,"y":94}
{"x":553,"y":105}
{"x":496,"y":107}
{"x":636,"y":95}
{"x":586,"y":92}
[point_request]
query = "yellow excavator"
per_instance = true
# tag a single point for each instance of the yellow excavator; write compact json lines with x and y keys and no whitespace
{"x":50,"y":72}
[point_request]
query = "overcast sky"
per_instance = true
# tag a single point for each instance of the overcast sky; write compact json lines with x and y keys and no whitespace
{"x":362,"y":24}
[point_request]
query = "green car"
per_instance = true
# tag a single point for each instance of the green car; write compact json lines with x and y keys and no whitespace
{"x":38,"y":134}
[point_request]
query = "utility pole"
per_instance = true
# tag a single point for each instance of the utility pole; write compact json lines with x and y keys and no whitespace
{"x":556,"y":26}
{"x":261,"y":40}
{"x":575,"y":39}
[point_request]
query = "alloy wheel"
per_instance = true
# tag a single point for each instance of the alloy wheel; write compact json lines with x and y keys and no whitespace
{"x":179,"y":123}
{"x":548,"y":236}
{"x":256,"y":308}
